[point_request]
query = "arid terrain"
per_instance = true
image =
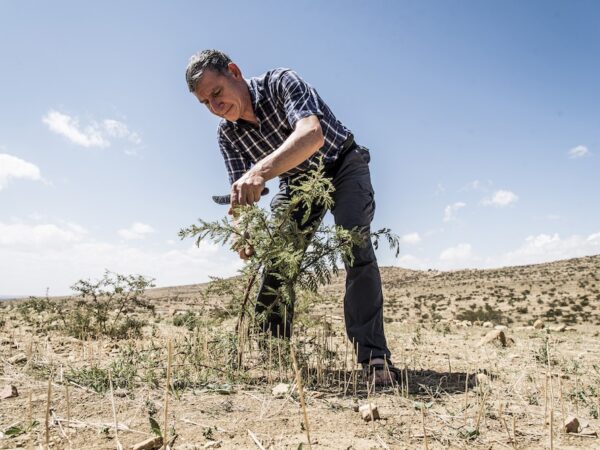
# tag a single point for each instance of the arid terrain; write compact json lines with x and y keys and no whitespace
{"x":538,"y":367}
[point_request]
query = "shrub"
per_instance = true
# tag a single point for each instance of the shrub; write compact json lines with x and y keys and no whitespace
{"x":485,"y":314}
{"x":101,"y":308}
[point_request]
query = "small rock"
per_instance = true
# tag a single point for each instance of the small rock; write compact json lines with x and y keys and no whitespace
{"x":538,"y":324}
{"x":120,"y":392}
{"x":281,"y":390}
{"x":368,"y":411}
{"x":561,"y":327}
{"x":493,"y":336}
{"x":213,"y":444}
{"x":17,"y":359}
{"x":500,"y":327}
{"x":8,"y":391}
{"x":149,"y":444}
{"x":571,"y":424}
{"x":488,"y":325}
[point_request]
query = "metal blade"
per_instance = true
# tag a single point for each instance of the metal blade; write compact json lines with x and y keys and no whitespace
{"x":226,"y":199}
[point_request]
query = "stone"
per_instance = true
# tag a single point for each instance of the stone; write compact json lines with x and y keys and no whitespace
{"x":571,"y":424}
{"x":368,"y":411}
{"x":120,"y":392}
{"x":281,"y":390}
{"x":494,"y":335}
{"x":17,"y":359}
{"x":8,"y":391}
{"x":560,"y":328}
{"x":153,"y":443}
{"x":488,"y":325}
{"x":538,"y":324}
{"x":500,"y":327}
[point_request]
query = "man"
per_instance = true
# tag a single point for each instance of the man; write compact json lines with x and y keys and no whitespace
{"x":278,"y":125}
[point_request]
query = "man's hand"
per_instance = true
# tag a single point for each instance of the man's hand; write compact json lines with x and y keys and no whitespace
{"x":246,"y":190}
{"x":245,"y":251}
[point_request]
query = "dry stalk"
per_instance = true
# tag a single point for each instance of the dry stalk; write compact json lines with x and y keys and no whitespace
{"x":514,"y":429}
{"x":425,"y":444}
{"x":167,"y":386}
{"x":551,"y":400}
{"x":300,"y":393}
{"x":407,"y":379}
{"x":370,"y":406}
{"x":256,"y":441}
{"x":545,"y":401}
{"x":47,"y":422}
{"x":30,"y":413}
{"x":466,"y":396}
{"x":354,"y":363}
{"x":270,"y":360}
{"x":68,"y":402}
{"x":562,"y":403}
{"x":501,"y":415}
{"x":279,"y":353}
{"x":62,"y":431}
{"x":114,"y":410}
{"x":481,"y":408}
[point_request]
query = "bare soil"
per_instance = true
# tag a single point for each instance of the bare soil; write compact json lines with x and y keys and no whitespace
{"x":456,"y":391}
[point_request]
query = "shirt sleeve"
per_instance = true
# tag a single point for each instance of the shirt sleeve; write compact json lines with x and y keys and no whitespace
{"x":235,"y":163}
{"x":299,"y":99}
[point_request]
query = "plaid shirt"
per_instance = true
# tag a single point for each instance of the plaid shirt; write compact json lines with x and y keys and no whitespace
{"x":280,"y":99}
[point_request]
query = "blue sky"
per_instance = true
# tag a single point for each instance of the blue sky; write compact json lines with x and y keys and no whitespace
{"x":482,"y":119}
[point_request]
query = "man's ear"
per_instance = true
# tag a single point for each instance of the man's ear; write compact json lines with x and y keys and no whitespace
{"x":234,"y":70}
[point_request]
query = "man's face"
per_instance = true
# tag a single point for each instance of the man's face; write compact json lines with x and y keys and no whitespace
{"x":222,"y":94}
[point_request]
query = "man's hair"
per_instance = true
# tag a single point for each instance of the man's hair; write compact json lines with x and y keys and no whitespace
{"x":206,"y":59}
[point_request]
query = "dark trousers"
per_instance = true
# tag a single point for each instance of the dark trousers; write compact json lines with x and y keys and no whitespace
{"x":354,"y":206}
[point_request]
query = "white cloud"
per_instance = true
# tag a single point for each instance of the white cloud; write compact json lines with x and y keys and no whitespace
{"x":117,"y":129}
{"x":550,"y":247}
{"x":409,"y":261}
{"x":450,"y":211}
{"x":67,"y":126}
{"x":92,"y":135}
{"x":136,"y":231}
{"x":411,"y":238}
{"x":501,"y":198}
{"x":13,"y":167}
{"x":579,"y":152}
{"x":22,"y":235}
{"x":461,"y":252}
{"x":55,"y":255}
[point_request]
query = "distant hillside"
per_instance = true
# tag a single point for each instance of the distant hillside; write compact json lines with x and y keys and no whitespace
{"x":566,"y":291}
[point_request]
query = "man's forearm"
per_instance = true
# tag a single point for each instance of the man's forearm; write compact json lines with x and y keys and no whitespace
{"x":304,"y":141}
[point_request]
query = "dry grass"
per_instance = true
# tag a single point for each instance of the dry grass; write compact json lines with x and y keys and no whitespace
{"x":521,"y":401}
